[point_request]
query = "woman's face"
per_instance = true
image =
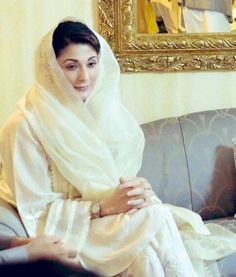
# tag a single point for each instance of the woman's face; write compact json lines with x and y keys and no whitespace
{"x":79,"y":63}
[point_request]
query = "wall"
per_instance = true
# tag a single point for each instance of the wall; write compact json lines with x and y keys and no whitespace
{"x":148,"y":95}
{"x":152,"y":96}
{"x":22,"y":24}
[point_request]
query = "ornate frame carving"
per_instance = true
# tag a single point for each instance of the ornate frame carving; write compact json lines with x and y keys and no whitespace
{"x":141,"y":53}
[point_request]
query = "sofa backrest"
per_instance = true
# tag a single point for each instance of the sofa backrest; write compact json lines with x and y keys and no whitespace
{"x":164,"y":162}
{"x":189,"y":161}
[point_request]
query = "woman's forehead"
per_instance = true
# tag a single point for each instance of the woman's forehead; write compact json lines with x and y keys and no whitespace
{"x":81,"y":51}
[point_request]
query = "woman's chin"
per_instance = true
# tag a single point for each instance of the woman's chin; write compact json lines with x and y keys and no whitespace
{"x":84,"y":94}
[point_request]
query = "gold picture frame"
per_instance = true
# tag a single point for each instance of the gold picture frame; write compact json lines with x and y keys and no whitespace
{"x":161,"y":52}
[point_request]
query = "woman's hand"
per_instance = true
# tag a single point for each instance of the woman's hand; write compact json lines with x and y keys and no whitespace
{"x":140,"y":187}
{"x":129,"y":196}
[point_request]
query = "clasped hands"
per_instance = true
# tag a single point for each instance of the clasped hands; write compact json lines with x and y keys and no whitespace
{"x":128,"y":197}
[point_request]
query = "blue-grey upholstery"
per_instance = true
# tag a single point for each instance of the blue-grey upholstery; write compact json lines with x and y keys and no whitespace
{"x":10,"y":223}
{"x":189,"y":161}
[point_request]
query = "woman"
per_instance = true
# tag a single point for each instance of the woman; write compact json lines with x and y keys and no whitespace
{"x":70,"y":155}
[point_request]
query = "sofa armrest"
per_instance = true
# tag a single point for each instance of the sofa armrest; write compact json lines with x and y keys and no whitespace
{"x":10,"y":222}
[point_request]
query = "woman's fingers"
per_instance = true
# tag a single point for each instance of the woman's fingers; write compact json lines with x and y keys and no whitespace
{"x":132,"y":211}
{"x":143,"y":192}
{"x":122,"y":180}
{"x":126,"y":185}
{"x":137,"y":182}
{"x":129,"y":195}
{"x":136,"y":191}
{"x":135,"y":202}
{"x":139,"y":193}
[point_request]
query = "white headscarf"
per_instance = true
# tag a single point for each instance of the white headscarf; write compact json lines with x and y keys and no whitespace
{"x":92,"y":143}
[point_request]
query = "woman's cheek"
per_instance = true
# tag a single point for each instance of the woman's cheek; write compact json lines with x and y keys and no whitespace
{"x":71,"y":76}
{"x":95,"y":76}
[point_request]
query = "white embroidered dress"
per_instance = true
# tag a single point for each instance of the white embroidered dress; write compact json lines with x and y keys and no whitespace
{"x":58,"y":154}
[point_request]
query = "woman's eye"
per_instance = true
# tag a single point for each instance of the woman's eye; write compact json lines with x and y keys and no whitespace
{"x":71,"y":67}
{"x":92,"y":64}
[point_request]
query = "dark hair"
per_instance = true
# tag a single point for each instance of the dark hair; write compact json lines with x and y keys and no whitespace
{"x":46,"y":268}
{"x":73,"y":32}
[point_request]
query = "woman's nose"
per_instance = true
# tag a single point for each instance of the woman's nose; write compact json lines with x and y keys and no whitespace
{"x":83,"y":75}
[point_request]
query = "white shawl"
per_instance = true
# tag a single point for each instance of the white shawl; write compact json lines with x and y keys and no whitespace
{"x":92,"y":143}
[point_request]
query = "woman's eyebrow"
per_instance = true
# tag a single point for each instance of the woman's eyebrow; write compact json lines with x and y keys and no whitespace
{"x":71,"y":60}
{"x":74,"y":60}
{"x":92,"y":57}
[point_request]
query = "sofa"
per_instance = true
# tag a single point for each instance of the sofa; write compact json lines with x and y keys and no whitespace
{"x":189,"y":161}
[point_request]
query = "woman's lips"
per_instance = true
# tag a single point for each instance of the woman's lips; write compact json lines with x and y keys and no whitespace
{"x":82,"y":88}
